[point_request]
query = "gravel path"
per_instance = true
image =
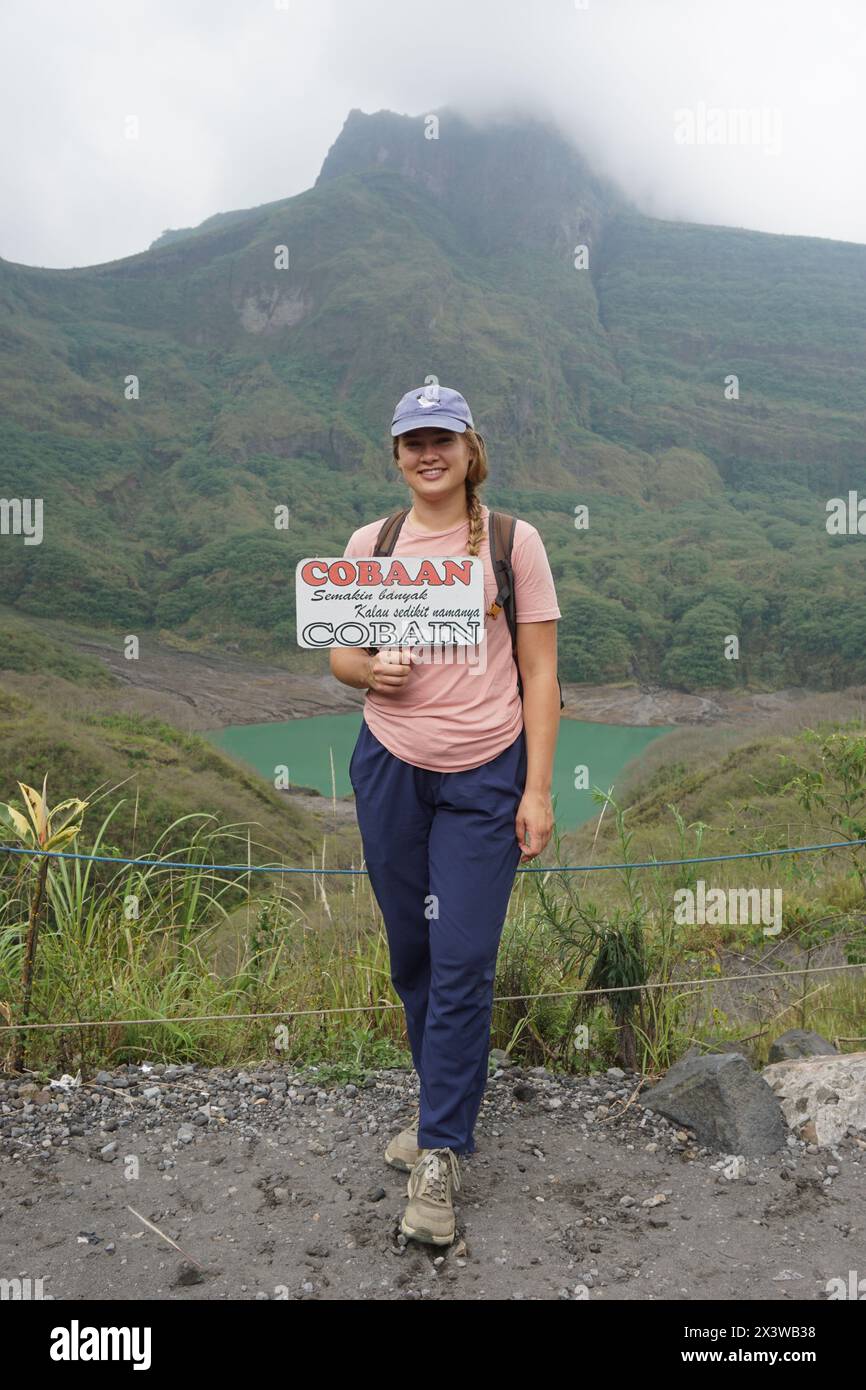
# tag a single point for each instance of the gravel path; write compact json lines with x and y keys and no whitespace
{"x":278,"y":1189}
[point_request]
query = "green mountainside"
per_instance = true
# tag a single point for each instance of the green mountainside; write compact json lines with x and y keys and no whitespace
{"x":262,"y":387}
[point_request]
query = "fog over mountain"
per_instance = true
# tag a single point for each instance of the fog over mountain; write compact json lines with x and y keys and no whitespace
{"x":131,"y":119}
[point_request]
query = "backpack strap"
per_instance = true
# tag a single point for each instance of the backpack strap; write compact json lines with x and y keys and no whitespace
{"x":389,"y":531}
{"x":501,"y":540}
{"x":385,"y":542}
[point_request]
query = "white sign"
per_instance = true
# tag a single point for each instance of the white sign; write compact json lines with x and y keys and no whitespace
{"x":388,"y":601}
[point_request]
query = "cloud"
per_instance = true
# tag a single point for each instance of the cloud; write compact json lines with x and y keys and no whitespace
{"x":237,"y":105}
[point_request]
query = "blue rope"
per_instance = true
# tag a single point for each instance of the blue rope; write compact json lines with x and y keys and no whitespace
{"x":527,"y":869}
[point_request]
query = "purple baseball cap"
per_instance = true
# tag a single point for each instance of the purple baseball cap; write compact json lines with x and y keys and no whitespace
{"x":431,"y":405}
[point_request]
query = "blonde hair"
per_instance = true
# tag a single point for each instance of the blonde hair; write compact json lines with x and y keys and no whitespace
{"x":475,"y":476}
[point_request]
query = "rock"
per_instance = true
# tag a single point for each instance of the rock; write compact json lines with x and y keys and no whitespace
{"x":185,"y":1134}
{"x":108,"y":1152}
{"x":800,"y":1042}
{"x":730,"y":1107}
{"x":500,"y":1057}
{"x":822,"y":1094}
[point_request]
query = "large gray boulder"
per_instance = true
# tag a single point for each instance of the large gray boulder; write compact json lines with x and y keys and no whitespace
{"x":800,"y":1042}
{"x":728,"y":1105}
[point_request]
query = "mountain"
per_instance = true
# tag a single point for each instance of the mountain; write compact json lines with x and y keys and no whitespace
{"x":261,"y":386}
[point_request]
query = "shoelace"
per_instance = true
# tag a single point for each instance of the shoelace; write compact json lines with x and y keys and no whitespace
{"x":434,"y":1177}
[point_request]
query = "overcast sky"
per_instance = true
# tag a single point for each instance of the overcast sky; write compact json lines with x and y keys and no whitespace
{"x":238,"y":101}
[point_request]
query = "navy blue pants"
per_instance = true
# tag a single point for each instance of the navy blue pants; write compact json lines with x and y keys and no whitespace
{"x":441,"y":850}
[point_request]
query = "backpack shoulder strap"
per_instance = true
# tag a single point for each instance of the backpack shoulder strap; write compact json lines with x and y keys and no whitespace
{"x":501,"y":539}
{"x":501,"y":528}
{"x":385,"y":542}
{"x":389,"y":531}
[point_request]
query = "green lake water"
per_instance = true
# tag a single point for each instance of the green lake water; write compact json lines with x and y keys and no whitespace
{"x":308,"y":747}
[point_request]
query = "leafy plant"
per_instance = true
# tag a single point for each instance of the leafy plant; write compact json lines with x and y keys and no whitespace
{"x":837,"y":786}
{"x":43,"y":830}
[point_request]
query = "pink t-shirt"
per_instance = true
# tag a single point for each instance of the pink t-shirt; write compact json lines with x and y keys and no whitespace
{"x":460,"y":706}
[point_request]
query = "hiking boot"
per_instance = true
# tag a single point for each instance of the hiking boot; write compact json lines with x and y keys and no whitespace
{"x":429,"y":1215}
{"x":403,"y":1152}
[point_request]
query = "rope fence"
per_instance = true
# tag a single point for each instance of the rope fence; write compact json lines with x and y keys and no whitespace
{"x":376,"y":1008}
{"x":526,"y":869}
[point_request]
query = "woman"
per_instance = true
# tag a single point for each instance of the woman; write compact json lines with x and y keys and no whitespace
{"x":452,"y":777}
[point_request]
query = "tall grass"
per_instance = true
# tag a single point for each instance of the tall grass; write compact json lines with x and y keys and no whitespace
{"x":181,"y":947}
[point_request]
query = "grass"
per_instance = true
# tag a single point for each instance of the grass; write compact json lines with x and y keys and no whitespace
{"x":178,"y":946}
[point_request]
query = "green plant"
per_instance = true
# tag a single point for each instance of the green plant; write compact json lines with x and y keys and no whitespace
{"x":837,"y":786}
{"x":45,"y":831}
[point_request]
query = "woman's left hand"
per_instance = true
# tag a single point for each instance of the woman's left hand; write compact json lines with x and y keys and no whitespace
{"x":534,"y":823}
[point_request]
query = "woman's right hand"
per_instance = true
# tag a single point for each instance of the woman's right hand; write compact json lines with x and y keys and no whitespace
{"x":390,"y":668}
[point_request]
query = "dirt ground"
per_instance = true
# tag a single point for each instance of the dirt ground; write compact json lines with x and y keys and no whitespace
{"x":275,"y":1188}
{"x":211,"y":690}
